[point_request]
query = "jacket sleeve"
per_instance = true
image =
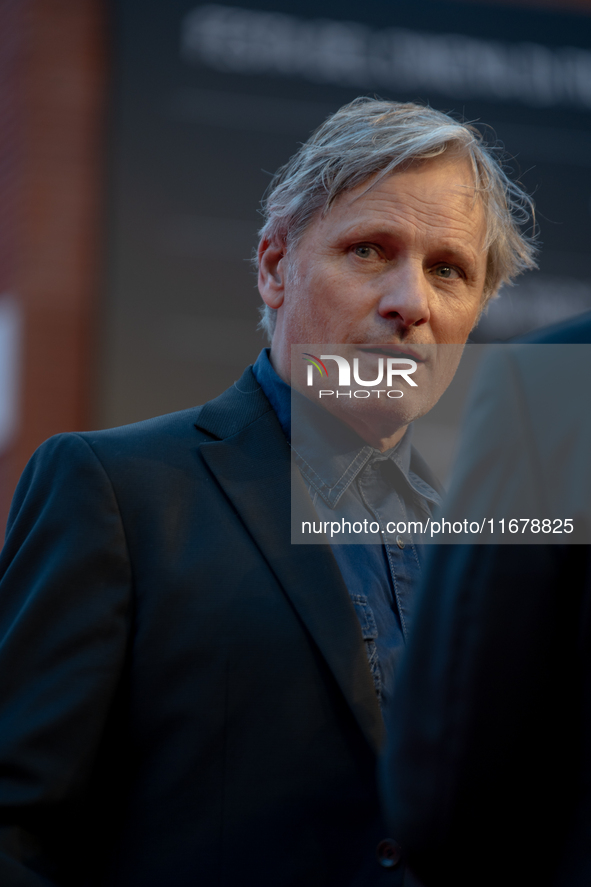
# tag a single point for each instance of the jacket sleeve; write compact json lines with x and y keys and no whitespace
{"x":65,"y":590}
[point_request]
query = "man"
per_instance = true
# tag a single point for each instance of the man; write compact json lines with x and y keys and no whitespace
{"x":187,"y":698}
{"x":488,"y":773}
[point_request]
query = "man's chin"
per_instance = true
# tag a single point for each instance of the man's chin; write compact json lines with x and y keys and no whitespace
{"x":378,"y":417}
{"x":376,"y":389}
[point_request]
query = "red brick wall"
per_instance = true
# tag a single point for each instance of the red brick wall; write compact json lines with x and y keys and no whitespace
{"x":58,"y":50}
{"x":12,"y":16}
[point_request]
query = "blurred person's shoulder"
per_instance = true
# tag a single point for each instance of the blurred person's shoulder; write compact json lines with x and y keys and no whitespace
{"x":574,"y":331}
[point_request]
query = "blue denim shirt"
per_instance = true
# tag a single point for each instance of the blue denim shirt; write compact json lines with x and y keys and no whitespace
{"x":381,"y":579}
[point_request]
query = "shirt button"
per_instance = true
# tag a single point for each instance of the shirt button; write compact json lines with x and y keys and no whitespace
{"x":400,"y":542}
{"x":389,"y":853}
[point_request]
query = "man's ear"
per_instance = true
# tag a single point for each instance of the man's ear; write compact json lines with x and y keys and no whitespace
{"x":271,"y":273}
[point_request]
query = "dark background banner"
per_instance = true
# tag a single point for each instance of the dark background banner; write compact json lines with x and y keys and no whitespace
{"x":209,"y":100}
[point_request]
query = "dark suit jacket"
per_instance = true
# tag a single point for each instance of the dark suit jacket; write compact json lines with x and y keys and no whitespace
{"x":185,"y":697}
{"x":487,"y":777}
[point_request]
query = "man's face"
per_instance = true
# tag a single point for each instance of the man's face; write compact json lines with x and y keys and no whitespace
{"x":400,"y":264}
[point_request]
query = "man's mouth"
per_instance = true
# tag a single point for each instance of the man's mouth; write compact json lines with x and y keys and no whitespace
{"x":401,"y":351}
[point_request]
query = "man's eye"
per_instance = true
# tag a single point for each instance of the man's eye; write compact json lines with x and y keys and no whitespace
{"x":447,"y":271}
{"x":364,"y":252}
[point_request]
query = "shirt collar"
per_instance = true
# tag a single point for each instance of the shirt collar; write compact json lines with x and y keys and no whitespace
{"x":329,"y":454}
{"x":277,"y":392}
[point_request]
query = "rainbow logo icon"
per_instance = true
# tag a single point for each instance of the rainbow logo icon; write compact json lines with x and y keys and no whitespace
{"x":315,"y":362}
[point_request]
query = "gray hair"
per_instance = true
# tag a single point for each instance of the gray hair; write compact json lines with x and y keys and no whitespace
{"x":370,"y":137}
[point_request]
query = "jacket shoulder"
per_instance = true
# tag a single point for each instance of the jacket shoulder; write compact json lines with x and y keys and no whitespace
{"x":152,"y":449}
{"x":225,"y":415}
{"x":145,"y":434}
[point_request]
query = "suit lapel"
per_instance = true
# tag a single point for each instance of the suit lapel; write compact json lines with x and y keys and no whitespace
{"x":252,"y":465}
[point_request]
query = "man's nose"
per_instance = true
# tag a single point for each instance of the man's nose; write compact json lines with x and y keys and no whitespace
{"x":406,"y":296}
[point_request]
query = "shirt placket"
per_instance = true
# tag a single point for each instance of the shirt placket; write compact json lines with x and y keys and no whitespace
{"x":403,"y":560}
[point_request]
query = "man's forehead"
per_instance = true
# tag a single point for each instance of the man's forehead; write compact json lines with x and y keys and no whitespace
{"x":453,"y":172}
{"x":435,"y":190}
